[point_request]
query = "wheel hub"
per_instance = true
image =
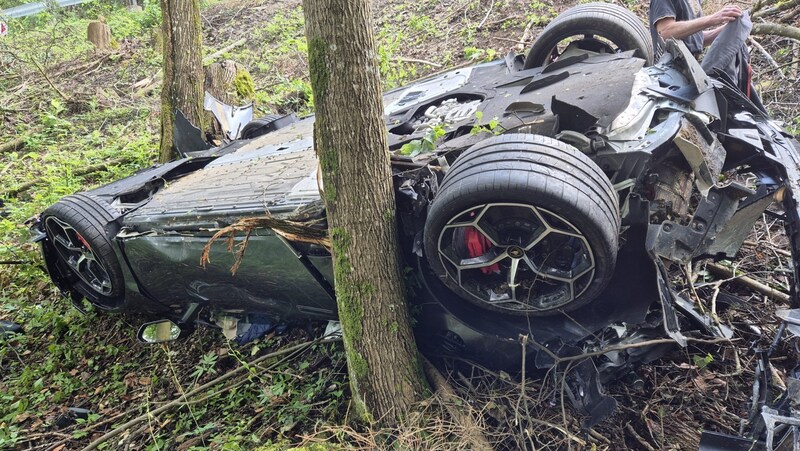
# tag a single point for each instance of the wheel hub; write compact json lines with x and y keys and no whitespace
{"x":76,"y":252}
{"x":516,"y":257}
{"x":515,"y":252}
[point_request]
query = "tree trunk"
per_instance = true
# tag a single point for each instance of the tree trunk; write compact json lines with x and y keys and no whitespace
{"x":351,"y":142}
{"x":183,"y":68}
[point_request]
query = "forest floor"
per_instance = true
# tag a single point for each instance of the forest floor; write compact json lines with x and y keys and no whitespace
{"x":78,"y":118}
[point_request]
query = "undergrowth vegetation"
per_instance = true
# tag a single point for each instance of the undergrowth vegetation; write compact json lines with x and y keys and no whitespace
{"x":80,"y":118}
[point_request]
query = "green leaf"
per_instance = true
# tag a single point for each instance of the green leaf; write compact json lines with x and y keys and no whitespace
{"x":702,"y":362}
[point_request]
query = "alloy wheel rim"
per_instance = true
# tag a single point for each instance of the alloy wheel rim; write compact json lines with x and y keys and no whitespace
{"x":516,"y":257}
{"x":76,"y":252}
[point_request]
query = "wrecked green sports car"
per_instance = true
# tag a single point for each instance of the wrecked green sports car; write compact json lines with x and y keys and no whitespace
{"x":546,"y":196}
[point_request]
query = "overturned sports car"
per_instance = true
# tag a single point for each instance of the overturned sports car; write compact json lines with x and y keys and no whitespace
{"x":560,"y":189}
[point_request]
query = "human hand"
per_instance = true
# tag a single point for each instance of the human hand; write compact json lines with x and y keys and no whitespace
{"x":728,"y":13}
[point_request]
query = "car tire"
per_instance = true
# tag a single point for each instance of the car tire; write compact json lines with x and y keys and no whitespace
{"x":530,"y":205}
{"x":80,"y":228}
{"x":608,"y":21}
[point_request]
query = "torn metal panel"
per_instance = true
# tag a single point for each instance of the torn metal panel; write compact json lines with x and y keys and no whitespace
{"x":688,"y":65}
{"x":709,"y":324}
{"x":715,"y":441}
{"x":774,"y":421}
{"x":186,"y":137}
{"x":671,"y":322}
{"x":735,"y":231}
{"x":231,"y":119}
{"x":792,"y":319}
{"x":704,"y":153}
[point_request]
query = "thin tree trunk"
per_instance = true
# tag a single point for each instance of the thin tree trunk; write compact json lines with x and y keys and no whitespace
{"x":351,"y":143}
{"x":183,"y":68}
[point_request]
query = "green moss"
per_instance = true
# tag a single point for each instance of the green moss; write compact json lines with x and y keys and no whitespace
{"x":351,"y":309}
{"x":328,"y":161}
{"x":318,"y":66}
{"x":350,"y":296}
{"x":243,"y":83}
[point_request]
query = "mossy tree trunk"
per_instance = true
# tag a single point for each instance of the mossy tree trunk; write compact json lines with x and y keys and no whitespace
{"x":183,"y":68}
{"x":351,"y":142}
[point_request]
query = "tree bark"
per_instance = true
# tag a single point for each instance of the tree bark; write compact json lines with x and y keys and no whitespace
{"x":183,"y":68}
{"x":351,"y":142}
{"x":219,"y":78}
{"x":765,"y":29}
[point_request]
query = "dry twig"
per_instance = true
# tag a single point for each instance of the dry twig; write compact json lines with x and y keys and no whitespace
{"x":466,"y":419}
{"x":290,"y":230}
{"x":748,"y":282}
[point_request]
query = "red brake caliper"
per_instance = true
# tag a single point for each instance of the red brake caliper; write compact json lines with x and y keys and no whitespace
{"x":477,"y":245}
{"x":82,"y":240}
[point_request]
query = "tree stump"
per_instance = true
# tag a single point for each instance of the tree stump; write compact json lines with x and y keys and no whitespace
{"x":219,"y":80}
{"x":99,"y":34}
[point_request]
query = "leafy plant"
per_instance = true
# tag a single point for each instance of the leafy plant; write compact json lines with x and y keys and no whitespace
{"x":490,"y":127}
{"x":702,"y":362}
{"x":424,"y":145}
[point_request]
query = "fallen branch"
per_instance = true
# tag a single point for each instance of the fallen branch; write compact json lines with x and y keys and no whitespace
{"x":778,"y":251}
{"x":526,"y":33}
{"x":77,"y":172}
{"x":414,"y":60}
{"x":639,"y":438}
{"x":12,"y":146}
{"x":179,"y":401}
{"x":767,"y":29}
{"x":50,"y":82}
{"x":748,"y":282}
{"x":466,"y":420}
{"x":486,"y":16}
{"x":641,"y":344}
{"x":776,"y":9}
{"x":210,"y":58}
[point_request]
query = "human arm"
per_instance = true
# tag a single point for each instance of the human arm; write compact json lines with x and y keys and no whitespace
{"x":668,"y":27}
{"x":710,"y":35}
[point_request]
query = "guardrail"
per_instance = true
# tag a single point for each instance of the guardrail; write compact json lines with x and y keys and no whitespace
{"x":30,"y":9}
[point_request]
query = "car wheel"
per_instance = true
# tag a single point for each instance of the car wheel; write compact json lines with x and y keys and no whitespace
{"x":80,"y":229}
{"x":597,"y":27}
{"x":523,"y":224}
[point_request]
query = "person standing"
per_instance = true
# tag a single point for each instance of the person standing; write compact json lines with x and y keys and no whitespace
{"x":684,"y":20}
